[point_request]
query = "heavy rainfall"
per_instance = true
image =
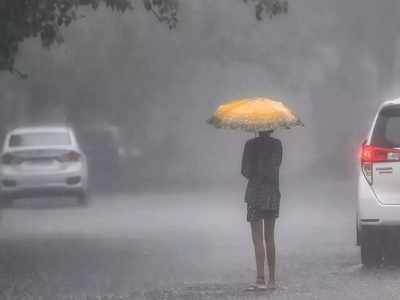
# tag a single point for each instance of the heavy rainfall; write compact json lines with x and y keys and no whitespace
{"x":164,"y":215}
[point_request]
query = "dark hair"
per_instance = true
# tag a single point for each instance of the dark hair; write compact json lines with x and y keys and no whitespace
{"x":265,"y":132}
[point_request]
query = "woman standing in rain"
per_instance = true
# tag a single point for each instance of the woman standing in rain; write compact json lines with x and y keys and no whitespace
{"x":262,"y":158}
{"x":260,"y":165}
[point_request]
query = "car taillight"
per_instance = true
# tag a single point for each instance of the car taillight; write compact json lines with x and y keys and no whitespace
{"x":10,"y":159}
{"x":71,"y":156}
{"x":371,"y":154}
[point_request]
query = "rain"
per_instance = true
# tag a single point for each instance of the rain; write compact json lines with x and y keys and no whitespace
{"x":166,"y":217}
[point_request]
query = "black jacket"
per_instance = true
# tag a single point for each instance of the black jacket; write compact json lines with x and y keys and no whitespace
{"x":262,"y":158}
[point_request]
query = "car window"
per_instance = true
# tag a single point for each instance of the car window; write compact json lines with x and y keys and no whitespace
{"x":40,"y":139}
{"x":387,"y":129}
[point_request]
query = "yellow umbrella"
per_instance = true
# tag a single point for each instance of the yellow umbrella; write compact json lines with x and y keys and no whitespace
{"x":254,"y":114}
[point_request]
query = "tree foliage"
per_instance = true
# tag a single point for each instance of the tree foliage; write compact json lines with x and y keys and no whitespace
{"x":164,"y":10}
{"x":21,"y":19}
{"x":269,"y":8}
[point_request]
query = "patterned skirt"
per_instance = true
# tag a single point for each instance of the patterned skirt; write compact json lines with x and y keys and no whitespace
{"x":263,"y":200}
{"x":255,"y":213}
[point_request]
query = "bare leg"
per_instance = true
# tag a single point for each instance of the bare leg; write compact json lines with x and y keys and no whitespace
{"x":269,"y":228}
{"x":258,"y":241}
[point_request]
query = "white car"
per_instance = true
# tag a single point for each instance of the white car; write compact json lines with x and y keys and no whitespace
{"x":378,"y":209}
{"x":40,"y":161}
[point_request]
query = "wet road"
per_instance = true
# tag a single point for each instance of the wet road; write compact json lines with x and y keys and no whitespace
{"x":184,"y":245}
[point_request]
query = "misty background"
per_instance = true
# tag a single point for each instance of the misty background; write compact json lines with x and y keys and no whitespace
{"x":175,"y":225}
{"x":332,"y":62}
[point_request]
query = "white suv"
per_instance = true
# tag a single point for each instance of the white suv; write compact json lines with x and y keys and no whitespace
{"x":38,"y":161}
{"x":378,"y":210}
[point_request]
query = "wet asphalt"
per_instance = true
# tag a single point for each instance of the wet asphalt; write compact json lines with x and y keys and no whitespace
{"x":177,"y":244}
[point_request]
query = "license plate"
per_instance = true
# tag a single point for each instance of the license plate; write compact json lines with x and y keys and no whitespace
{"x":38,"y":164}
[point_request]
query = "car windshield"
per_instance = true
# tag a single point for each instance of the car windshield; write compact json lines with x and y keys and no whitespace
{"x":40,"y":139}
{"x":387,"y":129}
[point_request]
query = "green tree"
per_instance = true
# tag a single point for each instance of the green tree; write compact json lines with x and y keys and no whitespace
{"x":45,"y":19}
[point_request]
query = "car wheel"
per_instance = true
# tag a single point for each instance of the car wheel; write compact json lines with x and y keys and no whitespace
{"x":371,"y":249}
{"x":391,"y":248}
{"x":83,"y":199}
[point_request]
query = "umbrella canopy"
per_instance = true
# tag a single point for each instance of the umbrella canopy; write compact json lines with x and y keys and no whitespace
{"x":254,"y":114}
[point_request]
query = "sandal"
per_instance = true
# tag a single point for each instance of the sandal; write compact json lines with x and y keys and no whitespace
{"x":258,"y":286}
{"x":271,"y":285}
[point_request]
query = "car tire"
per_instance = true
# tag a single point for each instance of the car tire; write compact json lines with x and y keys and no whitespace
{"x":371,"y":249}
{"x":391,"y":248}
{"x":83,"y":199}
